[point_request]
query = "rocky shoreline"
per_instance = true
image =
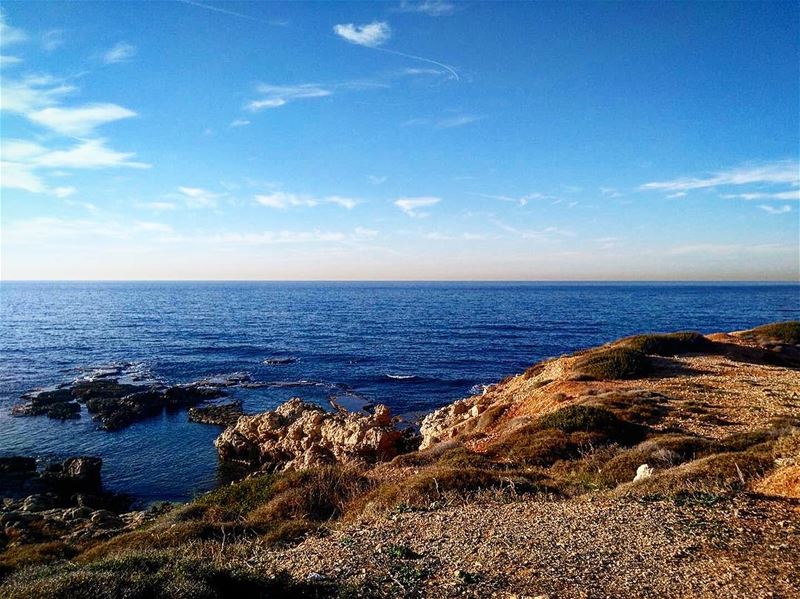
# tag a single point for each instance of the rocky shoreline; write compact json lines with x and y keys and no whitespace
{"x":663,"y":465}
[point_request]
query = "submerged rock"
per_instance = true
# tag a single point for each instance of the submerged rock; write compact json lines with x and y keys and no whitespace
{"x":221,"y":414}
{"x":300,"y":435}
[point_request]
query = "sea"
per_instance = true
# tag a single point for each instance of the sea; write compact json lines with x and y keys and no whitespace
{"x":411,"y":346}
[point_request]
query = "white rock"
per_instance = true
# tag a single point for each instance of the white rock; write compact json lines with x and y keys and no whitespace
{"x":642,"y":472}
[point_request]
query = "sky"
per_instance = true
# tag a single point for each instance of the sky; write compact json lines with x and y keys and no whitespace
{"x":432,"y":140}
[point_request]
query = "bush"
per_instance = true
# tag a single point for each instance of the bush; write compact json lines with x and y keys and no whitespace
{"x":14,"y":558}
{"x":316,"y":495}
{"x":781,"y":332}
{"x":155,"y":575}
{"x":612,"y":363}
{"x":592,"y":419}
{"x":669,"y":344}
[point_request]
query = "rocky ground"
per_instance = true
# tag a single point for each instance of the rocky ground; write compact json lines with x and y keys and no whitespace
{"x":654,"y":466}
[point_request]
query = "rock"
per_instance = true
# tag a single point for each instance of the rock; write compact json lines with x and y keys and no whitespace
{"x":38,"y":503}
{"x":300,"y":435}
{"x":184,"y":395}
{"x":105,"y":519}
{"x":64,"y":411}
{"x":17,"y":465}
{"x":222,"y":414}
{"x":279,"y":361}
{"x":642,"y":472}
{"x":85,"y":469}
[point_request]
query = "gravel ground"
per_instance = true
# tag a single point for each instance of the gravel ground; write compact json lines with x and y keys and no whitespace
{"x":587,"y":548}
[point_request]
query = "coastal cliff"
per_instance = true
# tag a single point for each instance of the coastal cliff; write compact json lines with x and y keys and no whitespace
{"x":654,"y":466}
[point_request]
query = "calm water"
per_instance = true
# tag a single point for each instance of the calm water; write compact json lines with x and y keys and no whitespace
{"x":413,"y":346}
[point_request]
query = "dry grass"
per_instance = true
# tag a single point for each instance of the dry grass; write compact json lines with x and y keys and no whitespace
{"x":780,"y":332}
{"x":668,"y":344}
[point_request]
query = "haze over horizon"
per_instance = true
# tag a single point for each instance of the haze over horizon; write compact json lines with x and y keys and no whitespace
{"x":431,"y":140}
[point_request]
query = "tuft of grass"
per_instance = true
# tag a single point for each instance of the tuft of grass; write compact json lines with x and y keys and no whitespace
{"x":21,"y":556}
{"x":591,"y":419}
{"x":156,"y":575}
{"x":612,"y":363}
{"x":781,"y":332}
{"x":669,"y":344}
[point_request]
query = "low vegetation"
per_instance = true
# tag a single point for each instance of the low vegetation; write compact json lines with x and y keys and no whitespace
{"x":669,"y":344}
{"x":780,"y":332}
{"x":611,"y":363}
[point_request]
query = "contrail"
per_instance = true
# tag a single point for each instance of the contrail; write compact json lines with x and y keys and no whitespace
{"x":448,"y":68}
{"x":227,"y":12}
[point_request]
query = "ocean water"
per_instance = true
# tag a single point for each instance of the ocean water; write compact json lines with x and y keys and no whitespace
{"x":412,"y":346}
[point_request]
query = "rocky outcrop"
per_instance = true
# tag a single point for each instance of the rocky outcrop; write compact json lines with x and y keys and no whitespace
{"x":300,"y":435}
{"x":225,"y":414}
{"x":115,"y":405}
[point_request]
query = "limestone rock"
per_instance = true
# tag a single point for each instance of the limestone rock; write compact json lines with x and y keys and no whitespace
{"x":642,"y":472}
{"x":300,"y":435}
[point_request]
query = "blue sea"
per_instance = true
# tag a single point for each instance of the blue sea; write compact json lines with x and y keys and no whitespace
{"x":413,"y":346}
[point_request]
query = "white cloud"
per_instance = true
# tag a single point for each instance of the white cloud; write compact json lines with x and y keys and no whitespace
{"x":792,"y":194}
{"x":10,"y":35}
{"x":375,"y":180}
{"x":411,"y":206}
{"x":240,"y":123}
{"x":281,"y":200}
{"x":776,"y":210}
{"x":90,"y":154}
{"x":273,"y":237}
{"x":363,"y":233}
{"x":610,"y":192}
{"x":275,"y":96}
{"x":23,"y":159}
{"x":432,"y":8}
{"x":710,"y":249}
{"x":372,"y":35}
{"x":348,"y":203}
{"x":79,"y":121}
{"x":781,"y":172}
{"x":158,"y":206}
{"x":120,"y":52}
{"x":31,"y":93}
{"x":197,"y":197}
{"x":152,"y":227}
{"x":457,"y":121}
{"x":6,"y":60}
{"x":52,"y":40}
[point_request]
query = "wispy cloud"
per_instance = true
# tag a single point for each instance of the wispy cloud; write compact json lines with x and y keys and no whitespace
{"x":371,"y":35}
{"x":197,"y":197}
{"x":374,"y":35}
{"x":119,"y":52}
{"x":274,"y":96}
{"x":377,"y":180}
{"x":233,"y":13}
{"x":792,"y":194}
{"x":81,"y":120}
{"x":457,"y":121}
{"x":711,"y":249}
{"x":10,"y":35}
{"x":240,"y":123}
{"x":52,"y":40}
{"x":281,"y":200}
{"x":444,"y":122}
{"x":781,"y":172}
{"x":520,"y":201}
{"x":776,"y":210}
{"x":23,"y":161}
{"x":432,"y":8}
{"x":412,"y":206}
{"x":158,"y":206}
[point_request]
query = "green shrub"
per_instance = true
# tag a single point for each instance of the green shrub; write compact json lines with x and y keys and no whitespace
{"x":782,"y":332}
{"x":591,"y":419}
{"x":669,"y":344}
{"x":612,"y":363}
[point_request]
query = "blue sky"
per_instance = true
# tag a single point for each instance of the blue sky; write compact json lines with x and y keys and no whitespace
{"x":400,"y":140}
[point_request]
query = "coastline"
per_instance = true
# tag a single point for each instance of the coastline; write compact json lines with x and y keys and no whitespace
{"x":667,"y":439}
